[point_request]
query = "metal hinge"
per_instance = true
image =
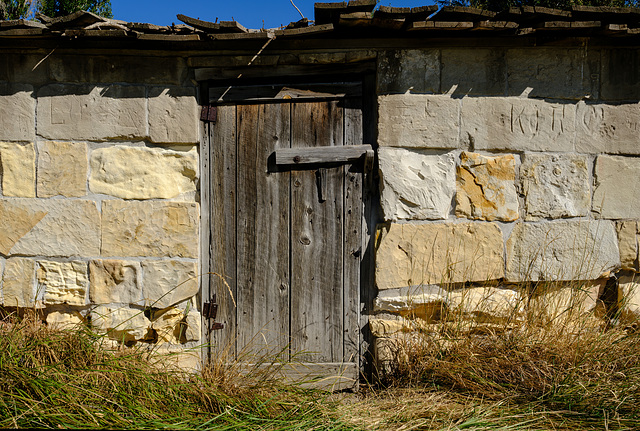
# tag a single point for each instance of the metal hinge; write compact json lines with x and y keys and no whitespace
{"x":210,"y":311}
{"x":209,"y":114}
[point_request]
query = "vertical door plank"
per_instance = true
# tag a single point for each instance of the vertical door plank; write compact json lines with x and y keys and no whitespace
{"x":223,"y":232}
{"x":317,"y":240}
{"x":262,"y":233}
{"x":353,"y":224}
{"x":205,"y":229}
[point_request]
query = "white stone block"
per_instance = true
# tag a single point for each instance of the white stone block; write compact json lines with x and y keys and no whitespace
{"x":555,"y":185}
{"x":92,"y":112}
{"x":617,"y":187}
{"x":418,"y":121}
{"x":415,"y":184}
{"x":517,"y":124}
{"x":17,"y":112}
{"x":173,"y":115}
{"x":562,"y":250}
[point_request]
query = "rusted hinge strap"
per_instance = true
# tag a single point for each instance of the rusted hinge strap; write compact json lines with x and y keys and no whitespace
{"x":209,"y":114}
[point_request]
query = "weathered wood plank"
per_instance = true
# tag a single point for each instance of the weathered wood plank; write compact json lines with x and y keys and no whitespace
{"x":440,"y":25}
{"x":320,"y":155}
{"x":206,"y":26}
{"x":317,"y":241}
{"x":353,"y":220}
{"x":327,"y":376}
{"x":305,"y":31}
{"x":21,"y":23}
{"x":263,"y":232}
{"x":168,"y":37}
{"x":223,"y":230}
{"x":205,"y":230}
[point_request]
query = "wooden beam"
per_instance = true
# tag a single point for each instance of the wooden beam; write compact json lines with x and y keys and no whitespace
{"x":321,"y":155}
{"x":211,"y":27}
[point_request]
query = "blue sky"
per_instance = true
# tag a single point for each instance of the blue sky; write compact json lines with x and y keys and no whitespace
{"x":249,"y":13}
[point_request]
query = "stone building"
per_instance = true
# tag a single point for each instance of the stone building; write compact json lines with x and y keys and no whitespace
{"x":165,"y":184}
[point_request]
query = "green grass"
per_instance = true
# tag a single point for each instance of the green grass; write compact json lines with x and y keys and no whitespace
{"x":64,"y":379}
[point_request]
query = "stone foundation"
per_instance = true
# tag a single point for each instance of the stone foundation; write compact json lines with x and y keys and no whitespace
{"x":544,"y":194}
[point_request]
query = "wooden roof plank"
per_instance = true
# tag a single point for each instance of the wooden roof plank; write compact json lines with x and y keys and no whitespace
{"x":311,"y":30}
{"x":21,"y":23}
{"x":243,"y":36}
{"x":409,"y":14}
{"x":168,"y":37}
{"x":441,"y":25}
{"x":462,"y":14}
{"x":96,"y":33}
{"x":147,"y":28}
{"x":80,"y":18}
{"x":495,"y":25}
{"x":212,"y":27}
{"x":325,"y":13}
{"x":20,"y":32}
{"x":361,"y":5}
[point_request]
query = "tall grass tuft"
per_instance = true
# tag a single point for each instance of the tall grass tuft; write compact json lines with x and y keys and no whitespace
{"x":582,"y":369}
{"x":65,"y":379}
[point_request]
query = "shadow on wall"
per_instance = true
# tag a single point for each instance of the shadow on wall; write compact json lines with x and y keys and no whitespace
{"x":539,"y":72}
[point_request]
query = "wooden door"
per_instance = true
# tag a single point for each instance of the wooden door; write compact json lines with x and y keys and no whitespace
{"x":286,"y":240}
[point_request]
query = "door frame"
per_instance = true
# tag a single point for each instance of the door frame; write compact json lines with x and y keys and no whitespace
{"x":370,"y":203}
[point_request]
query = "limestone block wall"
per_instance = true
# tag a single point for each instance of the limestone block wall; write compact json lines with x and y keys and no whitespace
{"x":502,"y":167}
{"x":99,"y":212}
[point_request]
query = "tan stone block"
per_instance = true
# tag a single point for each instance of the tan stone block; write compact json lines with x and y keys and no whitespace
{"x":18,"y":169}
{"x":92,"y":112}
{"x":115,"y":281}
{"x":486,"y":187}
{"x":122,"y":324}
{"x":193,"y":330}
{"x":385,"y":327}
{"x":629,"y":297}
{"x":628,"y":243}
{"x":415,"y":184}
{"x":17,"y":112}
{"x":167,"y":324}
{"x":555,"y":185}
{"x":143,"y":173}
{"x":607,"y":128}
{"x":414,"y":70}
{"x":52,"y":227}
{"x":62,"y":169}
{"x":169,"y":282}
{"x":414,"y":254}
{"x":617,"y":187}
{"x":64,"y":320}
{"x":150,"y":228}
{"x":18,"y":282}
{"x":173,"y":115}
{"x":517,"y":124}
{"x":562,"y":250}
{"x":176,"y":358}
{"x":486,"y":304}
{"x":63,"y":282}
{"x":561,"y":303}
{"x":418,"y":121}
